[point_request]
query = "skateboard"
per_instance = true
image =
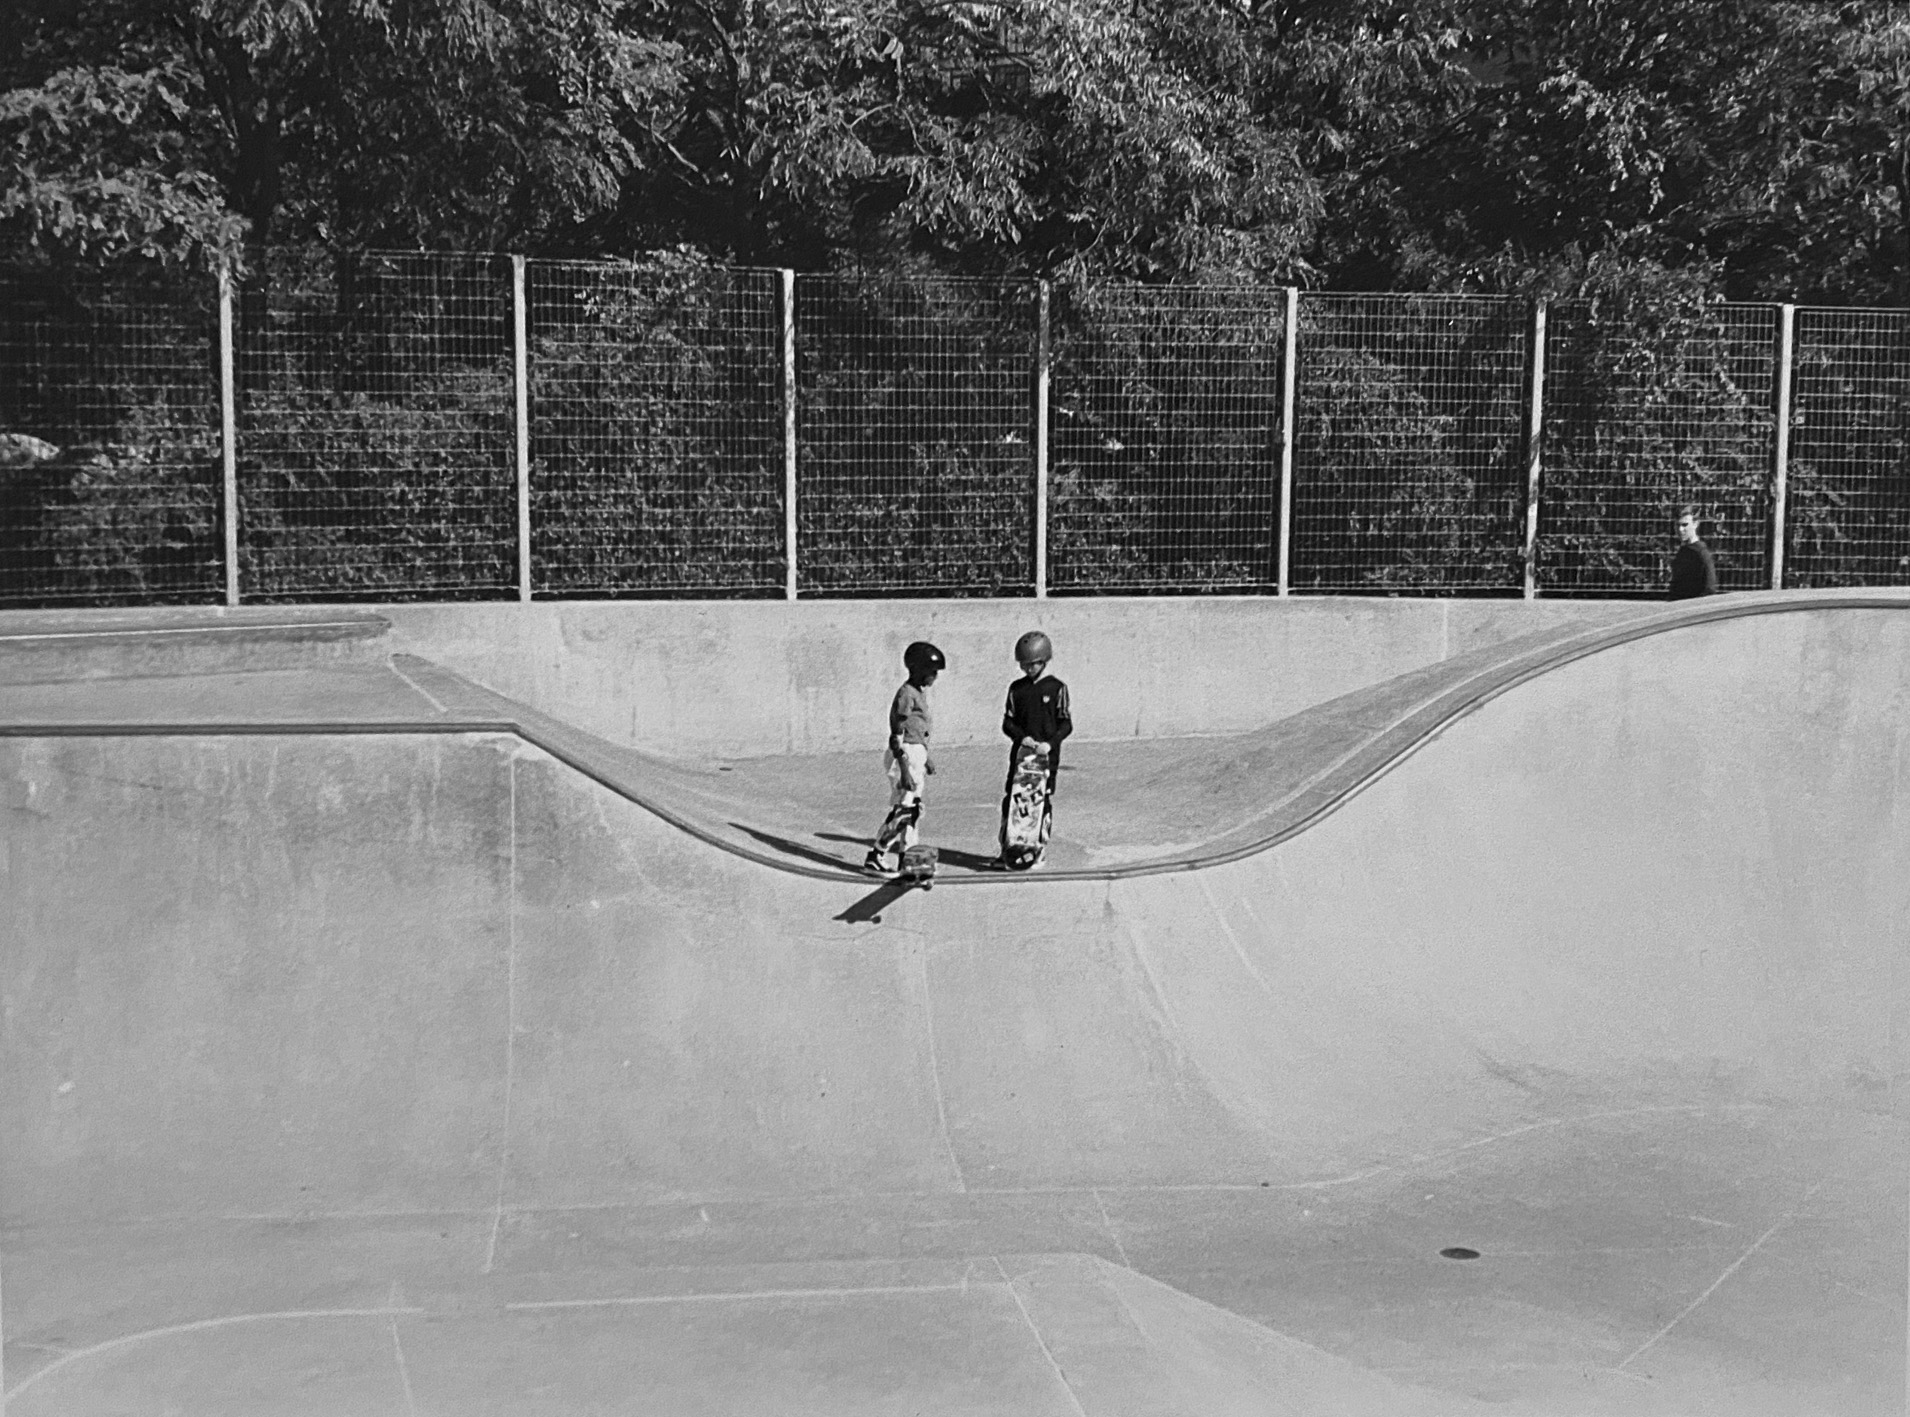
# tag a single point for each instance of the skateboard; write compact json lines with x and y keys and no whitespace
{"x":1024,"y":811}
{"x":918,"y":866}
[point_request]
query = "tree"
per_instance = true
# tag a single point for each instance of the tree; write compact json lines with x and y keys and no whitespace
{"x":172,"y":126}
{"x":1379,"y":144}
{"x":1761,"y":140}
{"x":985,"y":137}
{"x":1832,"y":172}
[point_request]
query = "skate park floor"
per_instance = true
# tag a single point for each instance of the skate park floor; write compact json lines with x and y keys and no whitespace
{"x":1606,"y":1282}
{"x":1523,"y":1237}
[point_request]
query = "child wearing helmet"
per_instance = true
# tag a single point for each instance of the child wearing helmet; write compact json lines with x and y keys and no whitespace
{"x":1037,"y":717}
{"x":907,"y":759}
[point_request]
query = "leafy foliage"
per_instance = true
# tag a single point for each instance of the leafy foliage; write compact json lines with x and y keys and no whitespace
{"x":377,"y":408}
{"x":914,"y":440}
{"x":1634,"y":161}
{"x":100,"y":169}
{"x":1757,"y":141}
{"x":1849,"y":512}
{"x":462,"y":122}
{"x":1661,"y":397}
{"x":1165,"y":416}
{"x":656,"y":432}
{"x":118,"y":377}
{"x":1418,"y":144}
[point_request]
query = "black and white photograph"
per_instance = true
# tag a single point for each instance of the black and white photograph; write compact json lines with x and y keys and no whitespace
{"x":907,"y":708}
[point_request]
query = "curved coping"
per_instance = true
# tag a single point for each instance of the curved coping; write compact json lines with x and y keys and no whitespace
{"x":1324,"y":792}
{"x":52,"y":633}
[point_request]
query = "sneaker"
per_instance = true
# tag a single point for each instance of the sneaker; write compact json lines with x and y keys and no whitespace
{"x":874,"y":865}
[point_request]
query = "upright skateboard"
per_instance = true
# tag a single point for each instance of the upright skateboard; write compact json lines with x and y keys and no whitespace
{"x":918,"y":866}
{"x":1024,"y":811}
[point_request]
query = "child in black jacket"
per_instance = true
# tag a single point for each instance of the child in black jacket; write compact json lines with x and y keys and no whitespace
{"x":1036,"y":719}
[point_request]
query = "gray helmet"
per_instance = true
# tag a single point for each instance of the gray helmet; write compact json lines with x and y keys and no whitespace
{"x":923,"y":655}
{"x":1033,"y":646}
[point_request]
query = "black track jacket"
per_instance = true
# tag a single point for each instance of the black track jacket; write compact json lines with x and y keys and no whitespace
{"x":1038,"y":709}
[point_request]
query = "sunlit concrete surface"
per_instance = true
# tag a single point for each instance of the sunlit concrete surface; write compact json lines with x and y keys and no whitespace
{"x":425,"y":1071}
{"x":810,"y":676}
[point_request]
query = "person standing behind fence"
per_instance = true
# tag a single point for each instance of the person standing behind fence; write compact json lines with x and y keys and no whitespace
{"x":1037,"y":716}
{"x":1694,"y":571}
{"x":907,"y":759}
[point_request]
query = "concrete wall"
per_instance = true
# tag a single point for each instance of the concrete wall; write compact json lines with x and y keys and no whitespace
{"x":227,"y":965}
{"x":310,"y":975}
{"x":744,"y":679}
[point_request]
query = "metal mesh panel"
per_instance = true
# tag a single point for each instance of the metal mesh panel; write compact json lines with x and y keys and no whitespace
{"x":915,"y":437}
{"x":656,"y":430}
{"x":377,"y":442}
{"x":119,"y":379}
{"x":1644,"y":412}
{"x":376,"y":431}
{"x":1409,"y":423}
{"x":1165,"y":419}
{"x":1848,"y":520}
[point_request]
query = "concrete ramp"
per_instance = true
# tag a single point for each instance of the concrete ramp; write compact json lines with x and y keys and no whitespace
{"x":1019,"y":1336}
{"x":1128,"y":1344}
{"x":355,"y":1059}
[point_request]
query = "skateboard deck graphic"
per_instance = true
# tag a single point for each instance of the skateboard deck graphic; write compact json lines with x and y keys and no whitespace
{"x":1024,"y":811}
{"x":918,"y":866}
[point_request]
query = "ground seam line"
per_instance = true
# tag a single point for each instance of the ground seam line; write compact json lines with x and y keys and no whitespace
{"x":404,"y":1372}
{"x":1128,"y":1309}
{"x":935,"y":1072}
{"x":1731,"y":1269}
{"x":1107,"y":1222}
{"x":195,"y":1326}
{"x":734,"y":1296}
{"x":1227,"y":929}
{"x":1046,"y":1352}
{"x":510,"y":1024}
{"x":429,"y":697}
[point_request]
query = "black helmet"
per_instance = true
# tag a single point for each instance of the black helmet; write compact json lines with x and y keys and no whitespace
{"x":923,"y":655}
{"x":1033,"y":646}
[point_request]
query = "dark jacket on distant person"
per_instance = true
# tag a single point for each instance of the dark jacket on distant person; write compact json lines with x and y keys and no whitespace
{"x":1693,"y":572}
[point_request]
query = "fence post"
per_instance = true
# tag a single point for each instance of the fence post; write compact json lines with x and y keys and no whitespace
{"x":228,"y":435}
{"x":1534,"y":429}
{"x":789,"y":433}
{"x":1042,"y":357}
{"x":521,"y":378}
{"x":1781,"y":442}
{"x":1289,"y":381}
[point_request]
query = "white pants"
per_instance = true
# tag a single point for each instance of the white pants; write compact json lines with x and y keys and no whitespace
{"x":898,"y":831}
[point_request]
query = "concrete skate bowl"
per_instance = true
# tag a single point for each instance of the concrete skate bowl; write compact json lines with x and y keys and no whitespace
{"x":1558,"y":1068}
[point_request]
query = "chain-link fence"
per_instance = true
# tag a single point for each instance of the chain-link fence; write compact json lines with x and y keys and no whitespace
{"x":376,"y":407}
{"x":915,"y":436}
{"x":1409,"y":425}
{"x":380,"y":452}
{"x":110,"y":480}
{"x":1646,"y":410}
{"x":1848,"y":519}
{"x":1165,"y":440}
{"x":656,"y":430}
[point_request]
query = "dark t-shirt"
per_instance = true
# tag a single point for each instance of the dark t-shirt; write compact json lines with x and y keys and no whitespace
{"x":1693,"y":572}
{"x":909,"y":720}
